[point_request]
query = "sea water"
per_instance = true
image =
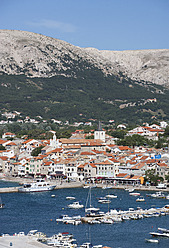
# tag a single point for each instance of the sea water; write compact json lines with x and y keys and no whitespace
{"x":28,"y":211}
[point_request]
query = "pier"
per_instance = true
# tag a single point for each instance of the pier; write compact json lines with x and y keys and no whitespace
{"x":9,"y":190}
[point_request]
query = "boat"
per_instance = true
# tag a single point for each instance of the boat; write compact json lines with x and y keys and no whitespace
{"x":1,"y":204}
{"x":152,"y":240}
{"x":70,"y":198}
{"x":129,"y":190}
{"x":140,"y":199}
{"x":76,"y":205}
{"x":104,"y":201}
{"x":163,"y":230}
{"x":86,"y":186}
{"x":93,"y":222}
{"x":90,"y":211}
{"x":32,"y":232}
{"x":158,"y":194}
{"x":111,"y":196}
{"x":160,"y":234}
{"x":134,"y":193}
{"x":107,"y":221}
{"x":61,"y":240}
{"x":39,"y":186}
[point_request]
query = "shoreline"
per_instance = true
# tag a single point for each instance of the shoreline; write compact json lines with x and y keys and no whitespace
{"x":62,"y":185}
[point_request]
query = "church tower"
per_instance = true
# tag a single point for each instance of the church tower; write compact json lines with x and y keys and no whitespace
{"x":100,"y":133}
{"x":54,"y":143}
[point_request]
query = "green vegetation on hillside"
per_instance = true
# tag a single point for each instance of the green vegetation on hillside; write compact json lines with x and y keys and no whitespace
{"x":88,"y":95}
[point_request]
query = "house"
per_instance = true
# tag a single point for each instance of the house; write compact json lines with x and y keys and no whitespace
{"x":71,"y":169}
{"x":87,"y":170}
{"x":57,"y":168}
{"x":107,"y":168}
{"x":8,"y":135}
{"x":162,"y":169}
{"x":5,"y":165}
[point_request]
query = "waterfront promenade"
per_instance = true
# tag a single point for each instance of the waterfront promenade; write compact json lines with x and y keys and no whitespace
{"x":65,"y":184}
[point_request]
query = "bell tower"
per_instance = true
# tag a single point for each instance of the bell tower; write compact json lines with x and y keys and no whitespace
{"x":100,"y":133}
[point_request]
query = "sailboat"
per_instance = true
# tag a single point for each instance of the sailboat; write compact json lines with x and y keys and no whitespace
{"x":90,"y":211}
{"x":1,"y":204}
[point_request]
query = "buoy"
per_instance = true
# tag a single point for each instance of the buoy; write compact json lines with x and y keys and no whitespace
{"x":62,"y":208}
{"x":50,"y":219}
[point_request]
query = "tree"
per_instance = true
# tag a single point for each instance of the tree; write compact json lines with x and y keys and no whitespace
{"x":36,"y":151}
{"x":2,"y":147}
{"x":117,"y":134}
{"x":152,"y":178}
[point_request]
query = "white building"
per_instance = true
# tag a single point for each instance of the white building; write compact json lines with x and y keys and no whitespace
{"x":100,"y":133}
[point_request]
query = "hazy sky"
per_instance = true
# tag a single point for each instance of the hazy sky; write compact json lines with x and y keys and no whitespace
{"x":103,"y":24}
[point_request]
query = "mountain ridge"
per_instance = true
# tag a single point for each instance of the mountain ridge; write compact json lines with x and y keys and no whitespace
{"x":40,"y":75}
{"x":36,"y":55}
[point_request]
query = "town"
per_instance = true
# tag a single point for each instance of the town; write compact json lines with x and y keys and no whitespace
{"x":87,"y":160}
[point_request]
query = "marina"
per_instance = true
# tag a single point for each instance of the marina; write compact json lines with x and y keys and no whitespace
{"x":40,"y":211}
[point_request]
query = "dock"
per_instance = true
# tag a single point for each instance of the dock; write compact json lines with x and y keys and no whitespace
{"x":20,"y":242}
{"x":9,"y":190}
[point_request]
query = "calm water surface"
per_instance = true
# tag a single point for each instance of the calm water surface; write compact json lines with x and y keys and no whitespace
{"x":24,"y":212}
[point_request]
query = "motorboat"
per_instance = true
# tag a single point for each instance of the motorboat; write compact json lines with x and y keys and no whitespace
{"x":70,"y":198}
{"x":93,"y":222}
{"x":75,"y":220}
{"x":32,"y":232}
{"x":111,"y":196}
{"x":61,"y":240}
{"x":39,"y":186}
{"x":134,"y":194}
{"x":92,"y":210}
{"x":158,"y":194}
{"x":76,"y":205}
{"x":160,"y":234}
{"x":107,"y":221}
{"x":63,"y":218}
{"x":86,"y":186}
{"x":140,"y":199}
{"x":129,"y":189}
{"x":152,"y":240}
{"x":163,"y":230}
{"x":104,"y":201}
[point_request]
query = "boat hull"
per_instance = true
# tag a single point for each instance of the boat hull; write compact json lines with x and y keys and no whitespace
{"x":40,"y":189}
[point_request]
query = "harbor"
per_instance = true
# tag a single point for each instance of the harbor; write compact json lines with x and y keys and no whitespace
{"x":41,"y":211}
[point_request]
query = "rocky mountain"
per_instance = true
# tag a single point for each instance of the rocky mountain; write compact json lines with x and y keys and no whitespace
{"x":44,"y":76}
{"x":36,"y":55}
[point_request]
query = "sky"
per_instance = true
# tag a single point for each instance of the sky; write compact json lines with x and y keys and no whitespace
{"x":102,"y":24}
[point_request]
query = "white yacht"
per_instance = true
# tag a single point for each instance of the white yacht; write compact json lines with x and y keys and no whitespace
{"x":38,"y":186}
